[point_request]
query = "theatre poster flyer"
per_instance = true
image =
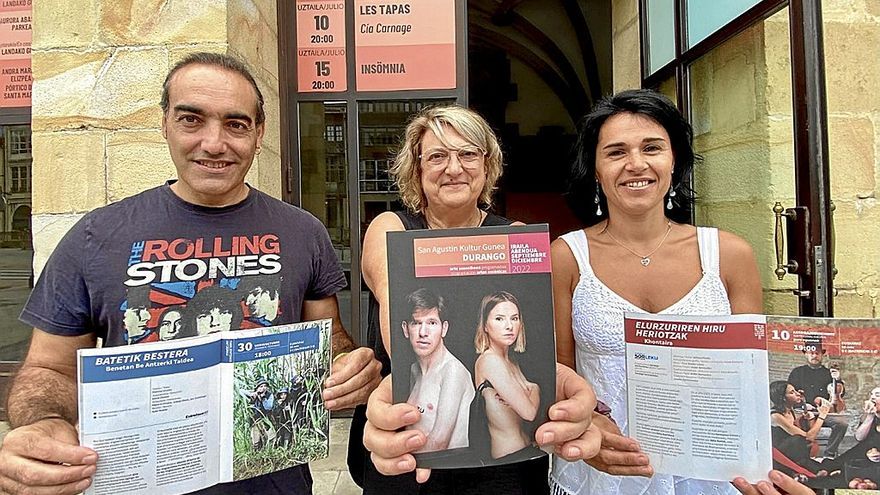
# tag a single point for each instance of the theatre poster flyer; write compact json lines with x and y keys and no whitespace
{"x":714,"y":397}
{"x":472,"y":337}
{"x":182,"y":415}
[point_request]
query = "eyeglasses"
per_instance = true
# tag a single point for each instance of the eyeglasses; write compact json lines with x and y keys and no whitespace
{"x":468,"y":157}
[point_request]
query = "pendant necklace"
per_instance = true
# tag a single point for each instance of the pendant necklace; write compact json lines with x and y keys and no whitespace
{"x":646,"y":259}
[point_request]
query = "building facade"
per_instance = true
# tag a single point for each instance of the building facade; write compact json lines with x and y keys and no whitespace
{"x":531,"y":67}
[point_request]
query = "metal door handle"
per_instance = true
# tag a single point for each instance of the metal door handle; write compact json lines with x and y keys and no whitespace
{"x":789,"y":266}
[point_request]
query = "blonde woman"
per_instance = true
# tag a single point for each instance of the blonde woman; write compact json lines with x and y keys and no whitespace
{"x":507,"y":397}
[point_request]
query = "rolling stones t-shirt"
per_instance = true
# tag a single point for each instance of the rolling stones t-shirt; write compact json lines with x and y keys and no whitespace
{"x":154,"y":267}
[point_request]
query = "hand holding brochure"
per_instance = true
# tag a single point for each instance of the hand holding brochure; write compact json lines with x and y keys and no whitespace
{"x":178,"y":416}
{"x":707,"y":394}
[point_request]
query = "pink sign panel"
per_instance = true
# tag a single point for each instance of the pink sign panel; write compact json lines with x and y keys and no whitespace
{"x":320,"y":46}
{"x":404,"y":45}
{"x":15,"y":53}
{"x":498,"y":254}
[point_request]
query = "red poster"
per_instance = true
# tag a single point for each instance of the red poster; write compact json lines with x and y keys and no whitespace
{"x":320,"y":46}
{"x":405,"y":45}
{"x":15,"y":53}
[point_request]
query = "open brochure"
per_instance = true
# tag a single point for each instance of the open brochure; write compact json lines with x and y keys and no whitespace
{"x":472,"y":339}
{"x":178,"y":416}
{"x":713,"y":397}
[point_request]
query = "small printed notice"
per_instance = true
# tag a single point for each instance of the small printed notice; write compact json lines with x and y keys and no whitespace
{"x":473,"y":342}
{"x":405,"y":45}
{"x":320,"y":46}
{"x":15,"y":53}
{"x":182,"y":415}
{"x":696,"y":394}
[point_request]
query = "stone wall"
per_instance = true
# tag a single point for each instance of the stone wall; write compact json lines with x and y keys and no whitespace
{"x":98,"y":68}
{"x":852,"y":48}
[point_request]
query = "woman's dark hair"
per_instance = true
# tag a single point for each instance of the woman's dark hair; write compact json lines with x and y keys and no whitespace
{"x":655,"y":106}
{"x":777,"y":396}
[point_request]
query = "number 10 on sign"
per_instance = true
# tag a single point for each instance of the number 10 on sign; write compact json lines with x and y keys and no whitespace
{"x":320,"y":46}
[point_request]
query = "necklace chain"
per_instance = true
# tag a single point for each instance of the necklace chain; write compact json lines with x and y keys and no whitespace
{"x":646,"y":259}
{"x":474,"y":221}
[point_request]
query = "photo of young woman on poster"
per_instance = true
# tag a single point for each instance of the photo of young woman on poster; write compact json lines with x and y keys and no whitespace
{"x":509,"y":400}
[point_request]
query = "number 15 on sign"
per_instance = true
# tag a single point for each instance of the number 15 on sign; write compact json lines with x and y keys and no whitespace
{"x":320,"y":46}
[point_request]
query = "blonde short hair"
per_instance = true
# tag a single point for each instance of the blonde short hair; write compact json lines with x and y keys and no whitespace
{"x":481,"y":339}
{"x":407,"y":170}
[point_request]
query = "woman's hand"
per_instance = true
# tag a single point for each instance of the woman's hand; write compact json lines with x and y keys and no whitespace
{"x":392,"y":449}
{"x":618,"y":455}
{"x":824,"y":408}
{"x":781,"y":480}
{"x":568,"y":430}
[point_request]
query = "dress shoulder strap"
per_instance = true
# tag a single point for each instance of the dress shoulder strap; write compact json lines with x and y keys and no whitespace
{"x":707,"y":238}
{"x":412,"y":221}
{"x":580,"y":247}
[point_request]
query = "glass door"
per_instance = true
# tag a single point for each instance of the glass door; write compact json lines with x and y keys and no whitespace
{"x":323,"y":149}
{"x":741,"y":110}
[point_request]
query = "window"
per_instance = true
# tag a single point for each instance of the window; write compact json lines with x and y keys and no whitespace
{"x":20,"y":178}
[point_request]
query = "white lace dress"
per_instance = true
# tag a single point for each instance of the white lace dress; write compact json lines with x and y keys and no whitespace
{"x":597,"y":321}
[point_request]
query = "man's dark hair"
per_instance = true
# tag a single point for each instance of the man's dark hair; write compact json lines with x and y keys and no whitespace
{"x":215,"y":296}
{"x":265,"y":283}
{"x":649,"y":104}
{"x":425,"y":300}
{"x":222,"y":61}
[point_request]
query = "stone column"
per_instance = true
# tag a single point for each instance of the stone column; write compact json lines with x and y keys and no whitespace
{"x":98,"y":68}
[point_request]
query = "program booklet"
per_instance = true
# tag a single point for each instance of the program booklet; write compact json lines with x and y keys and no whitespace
{"x":178,"y":416}
{"x":473,"y":341}
{"x":714,"y":397}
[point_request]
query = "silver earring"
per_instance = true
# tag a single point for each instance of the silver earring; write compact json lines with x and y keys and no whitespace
{"x":596,"y":200}
{"x":669,"y":200}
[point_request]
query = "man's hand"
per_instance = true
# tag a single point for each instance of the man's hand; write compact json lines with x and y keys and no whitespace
{"x":352,"y":378}
{"x":569,"y":427}
{"x":781,"y":480}
{"x":619,"y":455}
{"x":391,"y":448}
{"x":45,"y":458}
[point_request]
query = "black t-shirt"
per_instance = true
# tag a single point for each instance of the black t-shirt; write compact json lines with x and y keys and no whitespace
{"x":154,"y":267}
{"x":813,"y":381}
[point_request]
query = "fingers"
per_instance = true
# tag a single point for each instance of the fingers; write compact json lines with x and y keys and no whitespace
{"x":49,"y":440}
{"x":788,"y":484}
{"x":40,"y":458}
{"x":391,"y":448}
{"x":744,"y":487}
{"x":21,"y":475}
{"x":583,"y":447}
{"x":781,"y":480}
{"x":570,"y":416}
{"x":353,"y":378}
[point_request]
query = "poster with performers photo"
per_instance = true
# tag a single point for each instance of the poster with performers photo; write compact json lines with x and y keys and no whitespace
{"x":182,"y":415}
{"x":472,"y":338}
{"x":730,"y":384}
{"x":825,"y":400}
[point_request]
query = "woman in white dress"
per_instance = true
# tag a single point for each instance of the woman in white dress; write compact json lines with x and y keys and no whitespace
{"x":630,"y":186}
